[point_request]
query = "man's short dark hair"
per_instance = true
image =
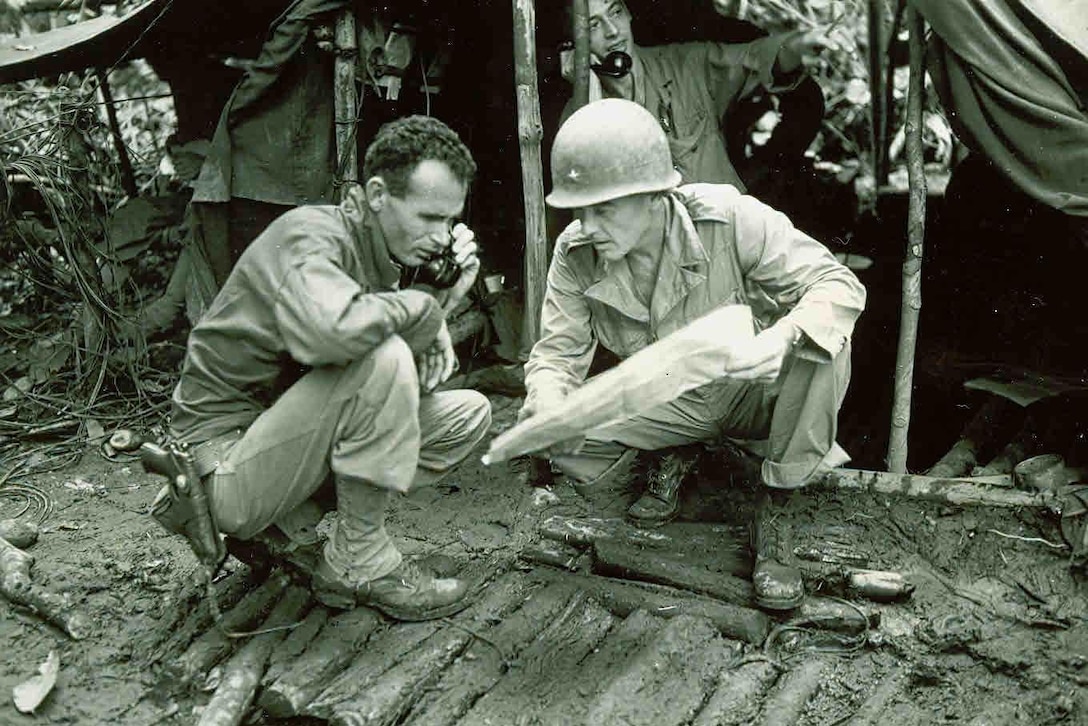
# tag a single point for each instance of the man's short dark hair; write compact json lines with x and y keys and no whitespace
{"x":400,"y":145}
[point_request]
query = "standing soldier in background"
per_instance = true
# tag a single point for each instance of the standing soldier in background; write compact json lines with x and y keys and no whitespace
{"x":689,"y":87}
{"x":644,"y":258}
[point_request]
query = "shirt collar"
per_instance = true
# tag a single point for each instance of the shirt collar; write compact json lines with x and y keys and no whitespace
{"x":678,"y":273}
{"x":378,"y":264}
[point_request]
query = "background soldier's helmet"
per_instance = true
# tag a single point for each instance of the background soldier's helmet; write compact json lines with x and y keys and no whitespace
{"x":609,"y":149}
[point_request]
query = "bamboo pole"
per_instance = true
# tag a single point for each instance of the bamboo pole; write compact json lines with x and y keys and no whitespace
{"x":912,"y":265}
{"x":128,"y":178}
{"x":580,"y":32}
{"x":346,"y":102}
{"x":530,"y":132}
{"x":877,"y":79}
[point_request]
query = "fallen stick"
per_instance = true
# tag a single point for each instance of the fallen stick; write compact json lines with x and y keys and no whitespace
{"x":735,"y":701}
{"x":960,"y":492}
{"x":787,"y":702}
{"x":484,"y":662}
{"x":329,"y":654}
{"x":242,"y":673}
{"x":213,"y":645}
{"x":390,"y":696}
{"x":19,"y":533}
{"x":619,"y":560}
{"x":623,"y":598}
{"x":17,"y":587}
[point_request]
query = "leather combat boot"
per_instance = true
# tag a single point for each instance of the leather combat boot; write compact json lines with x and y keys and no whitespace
{"x":659,"y":504}
{"x":408,"y":593}
{"x":777,"y":586}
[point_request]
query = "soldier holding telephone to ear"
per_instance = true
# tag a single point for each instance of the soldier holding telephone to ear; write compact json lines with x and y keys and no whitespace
{"x":689,"y":86}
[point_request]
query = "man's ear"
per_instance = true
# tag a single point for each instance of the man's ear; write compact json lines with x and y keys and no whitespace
{"x":377,"y":193}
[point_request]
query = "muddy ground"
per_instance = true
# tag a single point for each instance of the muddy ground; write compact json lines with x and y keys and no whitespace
{"x":996,"y":631}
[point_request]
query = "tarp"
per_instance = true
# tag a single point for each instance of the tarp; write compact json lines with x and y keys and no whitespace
{"x":100,"y":41}
{"x":1009,"y":96}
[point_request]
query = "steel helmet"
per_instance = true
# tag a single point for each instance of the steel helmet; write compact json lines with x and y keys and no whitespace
{"x":609,"y":149}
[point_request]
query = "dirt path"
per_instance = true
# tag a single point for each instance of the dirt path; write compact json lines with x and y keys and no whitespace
{"x":995,"y":632}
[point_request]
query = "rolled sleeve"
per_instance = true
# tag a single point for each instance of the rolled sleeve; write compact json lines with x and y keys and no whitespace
{"x":822,"y":296}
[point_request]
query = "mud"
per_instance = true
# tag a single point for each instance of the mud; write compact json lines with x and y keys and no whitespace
{"x":996,"y":631}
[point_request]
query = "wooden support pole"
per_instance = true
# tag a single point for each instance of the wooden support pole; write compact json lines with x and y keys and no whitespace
{"x":912,"y":265}
{"x":346,"y":102}
{"x":877,"y":79}
{"x":580,"y":32}
{"x":530,"y":132}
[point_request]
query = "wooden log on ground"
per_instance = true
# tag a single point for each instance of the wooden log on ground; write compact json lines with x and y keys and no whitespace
{"x":729,"y":544}
{"x":389,"y":697}
{"x":17,"y":587}
{"x":19,"y":533}
{"x":597,"y":671}
{"x":617,"y":559}
{"x":666,"y":682}
{"x":242,"y":673}
{"x":735,"y":701}
{"x":960,"y":492}
{"x":213,"y":645}
{"x":555,"y":554}
{"x":291,"y":648}
{"x":485,"y":662}
{"x":623,"y":598}
{"x":978,"y":434}
{"x":383,"y":651}
{"x":872,"y":709}
{"x":327,"y":656}
{"x":788,"y":700}
{"x":555,"y":654}
{"x":192,"y":616}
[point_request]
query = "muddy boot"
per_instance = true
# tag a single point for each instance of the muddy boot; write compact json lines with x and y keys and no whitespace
{"x":777,"y":586}
{"x":609,"y":493}
{"x":407,"y":593}
{"x":362,"y":567}
{"x":659,"y":504}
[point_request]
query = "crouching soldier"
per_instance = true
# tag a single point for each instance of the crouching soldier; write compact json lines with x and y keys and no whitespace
{"x":312,"y":365}
{"x":644,"y":258}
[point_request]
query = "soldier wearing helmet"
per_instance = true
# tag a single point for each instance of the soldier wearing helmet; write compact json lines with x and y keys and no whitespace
{"x":645,"y":257}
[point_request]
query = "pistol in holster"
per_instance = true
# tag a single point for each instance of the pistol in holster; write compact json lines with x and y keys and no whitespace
{"x":182,"y":505}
